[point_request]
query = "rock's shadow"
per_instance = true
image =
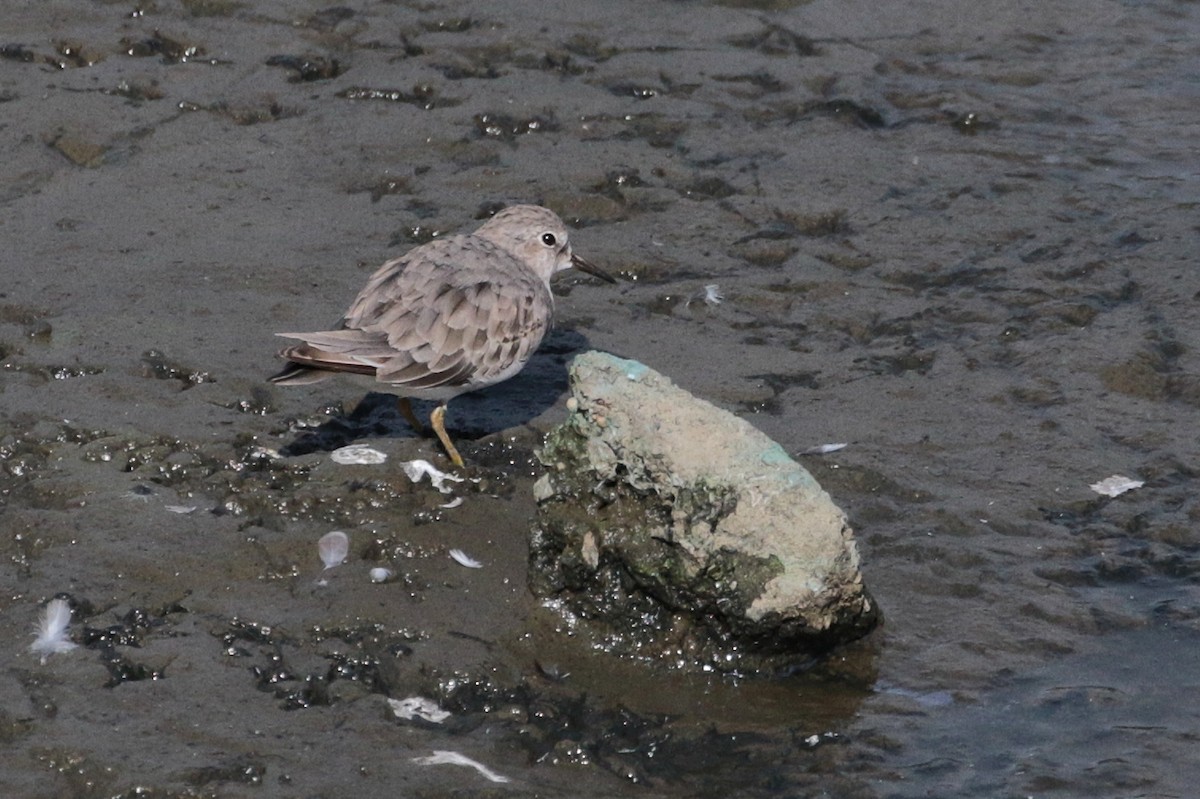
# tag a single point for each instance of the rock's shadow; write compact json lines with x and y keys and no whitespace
{"x":509,"y":404}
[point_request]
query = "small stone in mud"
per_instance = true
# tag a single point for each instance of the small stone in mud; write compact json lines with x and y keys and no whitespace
{"x":971,"y":123}
{"x":582,"y":44}
{"x":763,"y":252}
{"x":583,"y":210}
{"x":820,"y":223}
{"x":39,"y":330}
{"x":778,"y":41}
{"x":258,"y":403}
{"x":451,"y":25}
{"x":657,"y":129}
{"x":676,"y":530}
{"x":268,"y":109}
{"x":78,"y":149}
{"x":136,"y":91}
{"x":76,"y":55}
{"x":244,"y":771}
{"x":861,"y":115}
{"x":708,"y":188}
{"x":156,"y":365}
{"x":308,"y":68}
{"x":638,"y":91}
{"x":617,"y":180}
{"x":503,"y":126}
{"x":67,"y":54}
{"x":385,"y":186}
{"x":422,"y":95}
{"x":1140,"y":376}
{"x":17,"y":52}
{"x":173,"y":51}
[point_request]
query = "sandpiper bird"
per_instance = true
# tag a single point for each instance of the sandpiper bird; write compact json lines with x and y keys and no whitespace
{"x":451,"y":316}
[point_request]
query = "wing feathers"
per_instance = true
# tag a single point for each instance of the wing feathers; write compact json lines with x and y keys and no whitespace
{"x":437,"y":321}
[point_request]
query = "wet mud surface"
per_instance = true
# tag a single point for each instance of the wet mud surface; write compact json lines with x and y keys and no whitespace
{"x":960,"y":241}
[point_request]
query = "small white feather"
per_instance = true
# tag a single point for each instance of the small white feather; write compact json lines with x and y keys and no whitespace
{"x":454,"y":503}
{"x":711,"y":295}
{"x":418,"y":469}
{"x":264,"y":454}
{"x":418,"y":707}
{"x":333,"y":548}
{"x":463,"y":559}
{"x":441,"y":756}
{"x":358,"y":454}
{"x":381,"y":574}
{"x":1116,"y":485}
{"x":52,"y":630}
{"x":824,"y":449}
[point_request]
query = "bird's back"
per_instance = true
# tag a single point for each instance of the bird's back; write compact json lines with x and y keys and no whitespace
{"x":450,"y":316}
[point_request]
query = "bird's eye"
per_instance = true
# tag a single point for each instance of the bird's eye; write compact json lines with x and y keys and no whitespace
{"x":549,"y":240}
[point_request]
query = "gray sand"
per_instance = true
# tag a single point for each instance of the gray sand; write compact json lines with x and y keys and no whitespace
{"x":961,"y":240}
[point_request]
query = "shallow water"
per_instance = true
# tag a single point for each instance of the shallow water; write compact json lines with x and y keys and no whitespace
{"x":959,"y":240}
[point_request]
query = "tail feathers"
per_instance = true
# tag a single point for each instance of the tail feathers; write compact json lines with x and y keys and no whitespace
{"x":308,"y":364}
{"x":295,"y":374}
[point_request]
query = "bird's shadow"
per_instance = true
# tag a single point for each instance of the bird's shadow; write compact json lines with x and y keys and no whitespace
{"x":514,"y":402}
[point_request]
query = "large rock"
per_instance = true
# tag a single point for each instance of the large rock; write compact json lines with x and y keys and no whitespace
{"x":668,"y":528}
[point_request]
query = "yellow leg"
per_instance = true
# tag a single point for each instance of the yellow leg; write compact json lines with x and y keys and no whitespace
{"x":407,"y":412}
{"x":437,"y":419}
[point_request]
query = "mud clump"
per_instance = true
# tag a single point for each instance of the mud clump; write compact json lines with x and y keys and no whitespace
{"x":672,"y":530}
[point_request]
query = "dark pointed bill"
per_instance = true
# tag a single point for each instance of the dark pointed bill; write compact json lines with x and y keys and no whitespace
{"x":590,"y":268}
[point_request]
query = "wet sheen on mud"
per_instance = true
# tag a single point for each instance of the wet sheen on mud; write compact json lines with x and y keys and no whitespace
{"x":960,"y":242}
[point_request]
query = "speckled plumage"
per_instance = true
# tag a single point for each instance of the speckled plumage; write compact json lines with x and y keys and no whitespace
{"x":450,"y":316}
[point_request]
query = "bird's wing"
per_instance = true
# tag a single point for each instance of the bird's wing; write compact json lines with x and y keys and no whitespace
{"x":469,"y":313}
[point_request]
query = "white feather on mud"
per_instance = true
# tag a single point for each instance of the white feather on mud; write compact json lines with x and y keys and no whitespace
{"x":1116,"y":485}
{"x":710,"y":295}
{"x":333,"y":548}
{"x":444,"y":757}
{"x":823,"y":449}
{"x":419,"y":468}
{"x":418,"y":707}
{"x":463,"y":559}
{"x":357,"y":454}
{"x":381,"y":574}
{"x":264,"y":454}
{"x":52,"y":630}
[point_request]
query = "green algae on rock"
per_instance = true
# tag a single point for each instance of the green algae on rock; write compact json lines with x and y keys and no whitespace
{"x":673,"y":530}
